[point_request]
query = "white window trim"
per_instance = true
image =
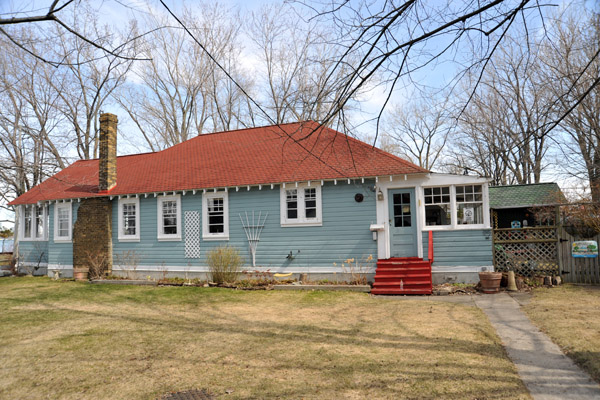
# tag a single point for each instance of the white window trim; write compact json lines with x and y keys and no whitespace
{"x":159,"y":219}
{"x":452,"y":204}
{"x":22,"y":224}
{"x":454,"y":207}
{"x":68,"y":238}
{"x":122,"y":236}
{"x":206,"y":235}
{"x":301,"y":220}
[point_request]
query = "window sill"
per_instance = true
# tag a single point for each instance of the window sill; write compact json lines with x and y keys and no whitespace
{"x":215,"y":238}
{"x":169,"y":238}
{"x":33,"y":240}
{"x":455,"y":228}
{"x":63,"y":241}
{"x":472,"y":226}
{"x":129,"y":239}
{"x":300,"y":224}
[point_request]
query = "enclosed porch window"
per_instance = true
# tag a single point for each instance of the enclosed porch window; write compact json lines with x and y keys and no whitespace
{"x":452,"y":206}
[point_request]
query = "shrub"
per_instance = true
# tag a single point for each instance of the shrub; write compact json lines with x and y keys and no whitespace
{"x":357,"y":269}
{"x":98,"y":265}
{"x":224,"y":263}
{"x":128,"y":260}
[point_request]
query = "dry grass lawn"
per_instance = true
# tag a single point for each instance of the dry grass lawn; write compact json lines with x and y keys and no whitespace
{"x":67,"y":340}
{"x":570,"y":316}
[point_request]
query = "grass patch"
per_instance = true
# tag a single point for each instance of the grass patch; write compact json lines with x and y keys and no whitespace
{"x":69,"y":340}
{"x":569,"y":315}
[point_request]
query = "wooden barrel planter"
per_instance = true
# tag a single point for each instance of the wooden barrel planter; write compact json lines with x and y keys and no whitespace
{"x":80,"y":273}
{"x":490,"y":281}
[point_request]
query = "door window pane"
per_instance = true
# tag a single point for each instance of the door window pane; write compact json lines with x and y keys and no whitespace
{"x":402,"y":215}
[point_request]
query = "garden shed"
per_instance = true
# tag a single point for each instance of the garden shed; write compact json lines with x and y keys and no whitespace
{"x":519,"y":206}
{"x":526,"y":235}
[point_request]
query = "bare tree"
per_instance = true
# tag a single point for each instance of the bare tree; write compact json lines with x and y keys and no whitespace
{"x":400,"y":43}
{"x":296,"y":60}
{"x":571,"y":65}
{"x":419,"y":131}
{"x":178,"y":94}
{"x":48,"y":114}
{"x":504,"y":125}
{"x":394,"y":41}
{"x":28,"y":121}
{"x":53,"y":14}
{"x":86,"y":81}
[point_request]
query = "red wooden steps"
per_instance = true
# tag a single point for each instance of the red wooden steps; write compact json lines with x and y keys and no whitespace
{"x":410,"y":275}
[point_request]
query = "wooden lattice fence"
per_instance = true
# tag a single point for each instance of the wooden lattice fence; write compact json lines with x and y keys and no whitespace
{"x":527,"y":251}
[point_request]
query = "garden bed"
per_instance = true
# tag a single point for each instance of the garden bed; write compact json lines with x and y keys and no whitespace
{"x":328,"y":287}
{"x":240,"y":285}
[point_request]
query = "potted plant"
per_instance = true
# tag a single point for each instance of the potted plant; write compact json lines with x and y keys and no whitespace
{"x":490,"y":281}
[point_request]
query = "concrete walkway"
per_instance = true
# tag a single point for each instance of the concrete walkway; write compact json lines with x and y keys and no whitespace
{"x":545,"y":370}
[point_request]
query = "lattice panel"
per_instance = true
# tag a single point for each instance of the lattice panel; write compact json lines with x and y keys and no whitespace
{"x":192,"y":234}
{"x":524,"y":234}
{"x":527,"y":259}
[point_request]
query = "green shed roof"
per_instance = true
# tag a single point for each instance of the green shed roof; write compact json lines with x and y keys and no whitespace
{"x":516,"y":196}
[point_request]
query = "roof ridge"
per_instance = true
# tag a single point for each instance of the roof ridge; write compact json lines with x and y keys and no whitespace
{"x":230,"y":131}
{"x":121,"y":156}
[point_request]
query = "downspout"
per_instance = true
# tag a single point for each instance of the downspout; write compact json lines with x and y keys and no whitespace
{"x":430,"y":248}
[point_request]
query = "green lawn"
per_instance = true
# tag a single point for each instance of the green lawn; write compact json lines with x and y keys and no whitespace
{"x":570,"y":316}
{"x":67,"y":340}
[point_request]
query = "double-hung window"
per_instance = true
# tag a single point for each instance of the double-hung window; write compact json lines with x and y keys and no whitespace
{"x":301,"y":205}
{"x":469,"y":204}
{"x":62,"y":222}
{"x":215,"y":216}
{"x":40,"y":222}
{"x":169,"y":217}
{"x":34,"y":222}
{"x":27,"y":218}
{"x":129,"y":219}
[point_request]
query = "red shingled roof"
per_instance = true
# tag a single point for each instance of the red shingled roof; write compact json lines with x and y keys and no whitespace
{"x":272,"y":154}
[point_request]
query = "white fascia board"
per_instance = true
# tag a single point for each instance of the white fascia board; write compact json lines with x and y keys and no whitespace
{"x":452,"y":179}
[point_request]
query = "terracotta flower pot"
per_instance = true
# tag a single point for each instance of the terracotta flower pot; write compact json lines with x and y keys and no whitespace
{"x":80,"y":274}
{"x":490,"y":281}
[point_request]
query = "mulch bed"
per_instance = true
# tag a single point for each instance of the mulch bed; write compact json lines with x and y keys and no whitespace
{"x":523,"y":285}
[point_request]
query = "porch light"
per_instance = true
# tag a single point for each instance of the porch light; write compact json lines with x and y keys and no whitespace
{"x":379,"y":195}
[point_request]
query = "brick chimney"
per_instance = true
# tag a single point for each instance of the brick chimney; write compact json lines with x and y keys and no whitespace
{"x":108,"y":152}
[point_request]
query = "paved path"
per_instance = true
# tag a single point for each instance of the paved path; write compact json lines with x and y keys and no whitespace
{"x":545,"y":370}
